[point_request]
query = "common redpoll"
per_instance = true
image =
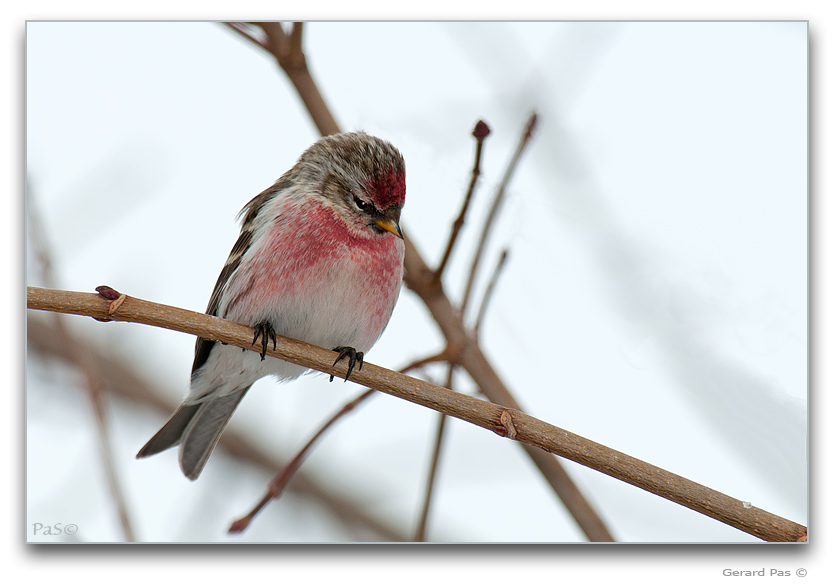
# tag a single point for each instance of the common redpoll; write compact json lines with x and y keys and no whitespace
{"x":319,"y":259}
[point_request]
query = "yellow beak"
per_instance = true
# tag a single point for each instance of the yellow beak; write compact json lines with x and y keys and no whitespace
{"x":391,"y":226}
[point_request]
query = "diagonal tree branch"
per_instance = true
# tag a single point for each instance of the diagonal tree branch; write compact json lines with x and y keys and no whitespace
{"x":288,"y":52}
{"x":502,"y":259}
{"x":280,"y":482}
{"x":535,"y":434}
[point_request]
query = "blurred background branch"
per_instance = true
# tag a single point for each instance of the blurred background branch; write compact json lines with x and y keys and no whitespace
{"x":120,"y":378}
{"x":85,"y":363}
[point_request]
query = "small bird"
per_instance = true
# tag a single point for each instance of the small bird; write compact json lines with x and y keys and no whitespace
{"x":319,"y":259}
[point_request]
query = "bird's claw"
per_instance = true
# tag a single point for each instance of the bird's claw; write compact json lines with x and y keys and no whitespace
{"x":266,"y":332}
{"x":353,"y":356}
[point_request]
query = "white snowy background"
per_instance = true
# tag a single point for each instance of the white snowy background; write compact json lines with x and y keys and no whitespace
{"x":655,"y":299}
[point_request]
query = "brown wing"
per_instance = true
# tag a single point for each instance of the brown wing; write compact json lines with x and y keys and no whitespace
{"x":203,"y":347}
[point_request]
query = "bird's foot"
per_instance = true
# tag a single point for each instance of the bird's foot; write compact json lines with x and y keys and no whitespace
{"x":353,"y":356}
{"x":266,"y":332}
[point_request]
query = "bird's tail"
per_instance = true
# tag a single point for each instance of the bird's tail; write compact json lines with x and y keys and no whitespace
{"x":196,"y":428}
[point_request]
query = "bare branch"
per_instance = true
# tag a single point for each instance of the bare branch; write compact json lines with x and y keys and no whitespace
{"x":444,"y":355}
{"x":489,"y":289}
{"x":504,"y":421}
{"x":480,"y":133}
{"x":296,"y":37}
{"x":430,"y":482}
{"x":279,"y":483}
{"x":496,"y":205}
{"x":288,"y":53}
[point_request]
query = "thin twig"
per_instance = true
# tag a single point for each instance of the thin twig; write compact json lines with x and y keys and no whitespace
{"x":496,"y":205}
{"x":480,"y":133}
{"x":418,"y":277}
{"x":279,"y":483}
{"x":246,"y":30}
{"x":86,"y":365}
{"x":420,"y":363}
{"x":488,"y":292}
{"x":432,"y":479}
{"x":504,"y":421}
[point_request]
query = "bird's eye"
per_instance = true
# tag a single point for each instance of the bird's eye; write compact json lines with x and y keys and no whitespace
{"x":361,"y":205}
